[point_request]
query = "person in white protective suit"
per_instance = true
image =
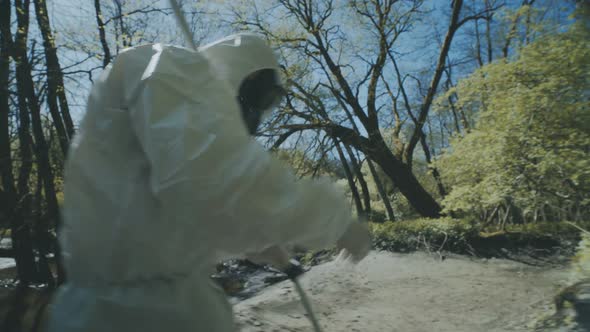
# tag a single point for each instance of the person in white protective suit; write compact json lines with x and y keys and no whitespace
{"x":164,"y":179}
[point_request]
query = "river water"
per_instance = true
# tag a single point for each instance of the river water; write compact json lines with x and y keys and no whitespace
{"x":6,"y":262}
{"x":239,"y":280}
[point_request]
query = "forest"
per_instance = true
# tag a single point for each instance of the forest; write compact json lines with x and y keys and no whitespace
{"x":459,"y":126}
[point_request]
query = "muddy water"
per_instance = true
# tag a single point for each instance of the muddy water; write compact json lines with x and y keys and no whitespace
{"x":242,"y":280}
{"x":6,"y":262}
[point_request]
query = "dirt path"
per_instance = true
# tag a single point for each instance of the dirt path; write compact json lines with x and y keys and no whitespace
{"x":409,"y":293}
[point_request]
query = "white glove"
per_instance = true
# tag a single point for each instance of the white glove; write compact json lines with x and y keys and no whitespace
{"x":275,"y":256}
{"x":356,"y":242}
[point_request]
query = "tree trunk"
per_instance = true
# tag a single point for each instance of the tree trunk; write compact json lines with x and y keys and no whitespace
{"x":376,"y":149}
{"x":55,"y":82}
{"x":22,"y":241}
{"x":353,"y":189}
{"x":506,"y":217}
{"x":382,"y":192}
{"x":40,"y":234}
{"x":454,"y":110}
{"x":62,"y":121}
{"x":455,"y":116}
{"x":489,"y":32}
{"x":442,"y":58}
{"x":106,"y":58}
{"x":527,"y":35}
{"x":435,"y":174}
{"x":22,"y":244}
{"x":374,"y":146}
{"x":490,"y":218}
{"x":21,"y":248}
{"x":403,"y":178}
{"x":6,"y":171}
{"x":478,"y":44}
{"x":41,"y":149}
{"x":360,"y":177}
{"x":464,"y":121}
{"x":513,"y":29}
{"x":124,"y":33}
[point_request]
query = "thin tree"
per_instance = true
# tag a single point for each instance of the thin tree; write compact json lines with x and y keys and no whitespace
{"x":512,"y":33}
{"x":381,"y":190}
{"x":319,"y":46}
{"x":56,"y":92}
{"x":26,"y":88}
{"x":356,"y":167}
{"x":106,"y":57}
{"x":350,"y":178}
{"x":6,"y":171}
{"x":18,"y":199}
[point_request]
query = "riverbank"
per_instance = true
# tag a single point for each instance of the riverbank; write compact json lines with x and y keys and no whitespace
{"x":411,"y":293}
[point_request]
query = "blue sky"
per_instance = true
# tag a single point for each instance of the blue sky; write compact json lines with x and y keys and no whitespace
{"x":74,"y":19}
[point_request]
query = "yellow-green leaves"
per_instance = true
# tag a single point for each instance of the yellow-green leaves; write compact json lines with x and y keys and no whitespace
{"x":531,"y":145}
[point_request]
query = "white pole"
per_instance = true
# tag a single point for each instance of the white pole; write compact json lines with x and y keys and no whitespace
{"x":186,"y":32}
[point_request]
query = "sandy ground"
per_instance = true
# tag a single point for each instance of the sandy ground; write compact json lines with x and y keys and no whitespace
{"x":409,"y":293}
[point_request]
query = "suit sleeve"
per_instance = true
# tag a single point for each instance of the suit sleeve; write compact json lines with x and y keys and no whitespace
{"x":211,"y":177}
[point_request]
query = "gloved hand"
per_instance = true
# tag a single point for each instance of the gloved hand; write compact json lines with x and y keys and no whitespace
{"x":356,"y":242}
{"x":275,"y":256}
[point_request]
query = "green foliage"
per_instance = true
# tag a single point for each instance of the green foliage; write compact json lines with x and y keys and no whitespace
{"x":305,"y":166}
{"x":553,"y":229}
{"x":312,"y":258}
{"x":450,"y":234}
{"x":530,"y":148}
{"x":401,"y":207}
{"x":464,"y":236}
{"x":377,"y":216}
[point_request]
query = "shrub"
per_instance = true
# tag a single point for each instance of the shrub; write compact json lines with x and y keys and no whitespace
{"x":466,"y":237}
{"x":432,"y":234}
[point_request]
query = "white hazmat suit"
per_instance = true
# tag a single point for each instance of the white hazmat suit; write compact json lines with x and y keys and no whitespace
{"x":163,"y":180}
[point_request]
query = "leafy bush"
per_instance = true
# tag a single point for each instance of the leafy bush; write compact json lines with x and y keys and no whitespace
{"x":561,"y":230}
{"x":433,"y":234}
{"x":466,"y":237}
{"x":528,"y":153}
{"x":377,"y":216}
{"x":312,"y":258}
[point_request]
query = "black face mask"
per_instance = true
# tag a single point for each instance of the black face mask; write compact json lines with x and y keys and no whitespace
{"x":258,"y":93}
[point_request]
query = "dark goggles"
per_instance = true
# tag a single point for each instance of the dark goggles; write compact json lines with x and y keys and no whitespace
{"x":265,"y":100}
{"x":259,"y":93}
